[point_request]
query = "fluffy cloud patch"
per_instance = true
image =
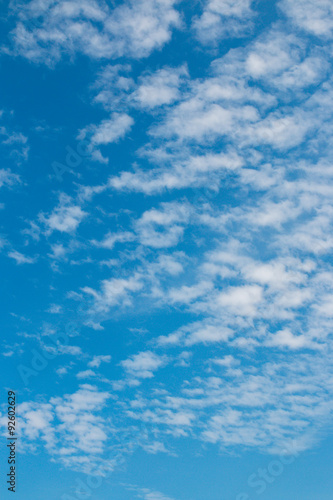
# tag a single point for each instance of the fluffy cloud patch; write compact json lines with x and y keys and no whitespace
{"x":224,"y":19}
{"x":44,"y":32}
{"x":66,"y":217}
{"x":144,"y":364}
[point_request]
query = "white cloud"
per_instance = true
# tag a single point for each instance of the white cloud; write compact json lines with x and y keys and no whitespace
{"x":44,"y":32}
{"x":65,"y":218}
{"x":274,"y":54}
{"x":194,"y":119}
{"x":113,"y":86}
{"x":209,"y":333}
{"x":226,"y":361}
{"x":314,"y":17}
{"x":7,"y":178}
{"x":144,"y":364}
{"x":242,"y":301}
{"x":285,"y":338}
{"x":62,"y":370}
{"x":108,"y":131}
{"x":86,"y":374}
{"x":161,"y":87}
{"x":17,"y":143}
{"x":190,"y":172}
{"x":270,"y":407}
{"x":55,"y":309}
{"x":48,"y":424}
{"x":275,"y":274}
{"x":163,"y":228}
{"x":170,"y":264}
{"x":224,"y":19}
{"x":186,"y":294}
{"x":115,"y":291}
{"x":279,"y":60}
{"x":280,"y":131}
{"x":97,"y":360}
{"x":148,"y":494}
{"x":20,"y":258}
{"x":206,"y":332}
{"x":110,"y":239}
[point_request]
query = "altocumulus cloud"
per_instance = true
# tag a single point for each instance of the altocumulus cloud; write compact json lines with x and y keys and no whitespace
{"x":194,"y":245}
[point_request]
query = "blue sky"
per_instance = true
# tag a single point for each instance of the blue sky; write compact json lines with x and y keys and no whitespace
{"x":166,"y":242}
